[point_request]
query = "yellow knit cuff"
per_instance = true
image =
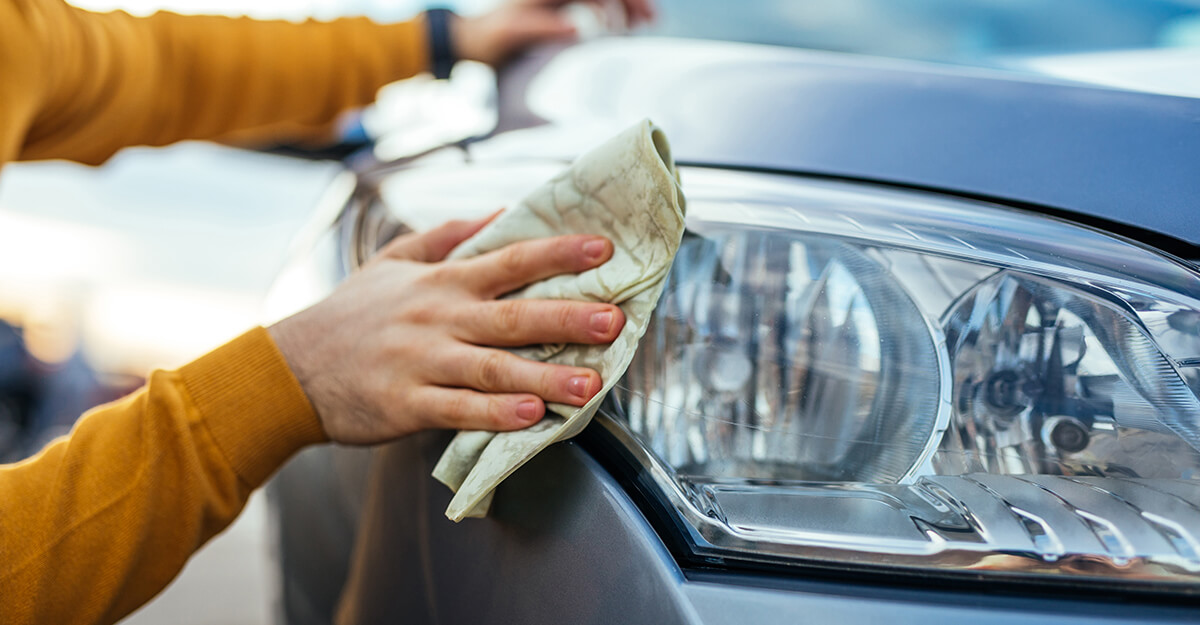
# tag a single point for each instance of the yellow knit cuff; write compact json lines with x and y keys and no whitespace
{"x":253,"y":405}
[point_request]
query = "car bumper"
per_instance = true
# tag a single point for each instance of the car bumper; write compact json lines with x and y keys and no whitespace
{"x":565,"y":542}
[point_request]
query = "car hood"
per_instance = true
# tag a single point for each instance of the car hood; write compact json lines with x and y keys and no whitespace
{"x":1170,"y":71}
{"x":1105,"y":155}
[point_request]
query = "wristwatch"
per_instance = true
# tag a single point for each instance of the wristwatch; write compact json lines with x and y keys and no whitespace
{"x":441,"y":47}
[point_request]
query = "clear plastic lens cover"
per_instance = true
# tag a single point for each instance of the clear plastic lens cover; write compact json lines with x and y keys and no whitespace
{"x":772,"y":356}
{"x":845,"y":373}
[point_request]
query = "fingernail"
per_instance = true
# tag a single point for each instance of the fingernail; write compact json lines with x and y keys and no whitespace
{"x":594,"y":249}
{"x":527,"y":410}
{"x":578,"y":386}
{"x":602,"y":322}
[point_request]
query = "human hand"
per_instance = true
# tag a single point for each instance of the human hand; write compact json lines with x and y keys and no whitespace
{"x":402,"y":345}
{"x":494,"y":37}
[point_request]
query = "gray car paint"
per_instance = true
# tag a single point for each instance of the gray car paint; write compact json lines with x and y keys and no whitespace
{"x":1126,"y":157}
{"x":564,"y":544}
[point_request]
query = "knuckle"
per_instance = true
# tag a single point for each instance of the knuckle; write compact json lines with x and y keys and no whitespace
{"x":393,"y":344}
{"x":408,"y":415}
{"x":498,"y":411}
{"x":399,"y":402}
{"x":391,"y":249}
{"x":514,"y":258}
{"x":509,"y":318}
{"x":440,"y":274}
{"x":565,"y":317}
{"x":491,"y":371}
{"x":399,"y":246}
{"x":453,"y":360}
{"x":422,"y":314}
{"x":550,"y":382}
{"x":566,"y":249}
{"x":457,"y":408}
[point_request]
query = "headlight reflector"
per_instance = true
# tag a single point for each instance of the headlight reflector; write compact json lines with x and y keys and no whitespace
{"x":778,"y":356}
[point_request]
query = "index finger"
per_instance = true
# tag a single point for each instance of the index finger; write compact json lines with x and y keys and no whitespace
{"x":509,"y":268}
{"x":434,"y":245}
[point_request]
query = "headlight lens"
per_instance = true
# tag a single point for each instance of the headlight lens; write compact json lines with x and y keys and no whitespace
{"x":845,"y":374}
{"x":778,"y":356}
{"x":850,"y":374}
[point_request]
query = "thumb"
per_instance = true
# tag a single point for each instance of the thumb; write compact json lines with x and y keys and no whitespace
{"x":434,"y":245}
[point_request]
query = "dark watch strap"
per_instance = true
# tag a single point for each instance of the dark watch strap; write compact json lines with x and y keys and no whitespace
{"x":441,"y":48}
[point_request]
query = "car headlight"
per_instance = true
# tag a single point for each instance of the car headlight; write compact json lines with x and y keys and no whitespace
{"x":847,"y":374}
{"x":851,"y":375}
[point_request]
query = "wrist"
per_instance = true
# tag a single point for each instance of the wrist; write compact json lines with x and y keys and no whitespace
{"x":443,"y":31}
{"x":464,"y":37}
{"x":289,"y":341}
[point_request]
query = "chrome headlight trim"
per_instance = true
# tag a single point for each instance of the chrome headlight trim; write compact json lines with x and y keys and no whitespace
{"x":708,"y":539}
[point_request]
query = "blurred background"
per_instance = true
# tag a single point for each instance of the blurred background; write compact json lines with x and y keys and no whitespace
{"x":160,"y":254}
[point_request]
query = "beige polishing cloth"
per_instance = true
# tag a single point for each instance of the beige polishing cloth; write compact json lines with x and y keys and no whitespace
{"x":628,"y":190}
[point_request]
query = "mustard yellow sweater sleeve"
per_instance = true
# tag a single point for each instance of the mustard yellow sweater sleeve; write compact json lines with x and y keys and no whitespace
{"x":81,"y":85}
{"x":101,"y":520}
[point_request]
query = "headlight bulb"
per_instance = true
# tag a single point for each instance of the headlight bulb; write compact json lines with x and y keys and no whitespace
{"x":1052,"y":379}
